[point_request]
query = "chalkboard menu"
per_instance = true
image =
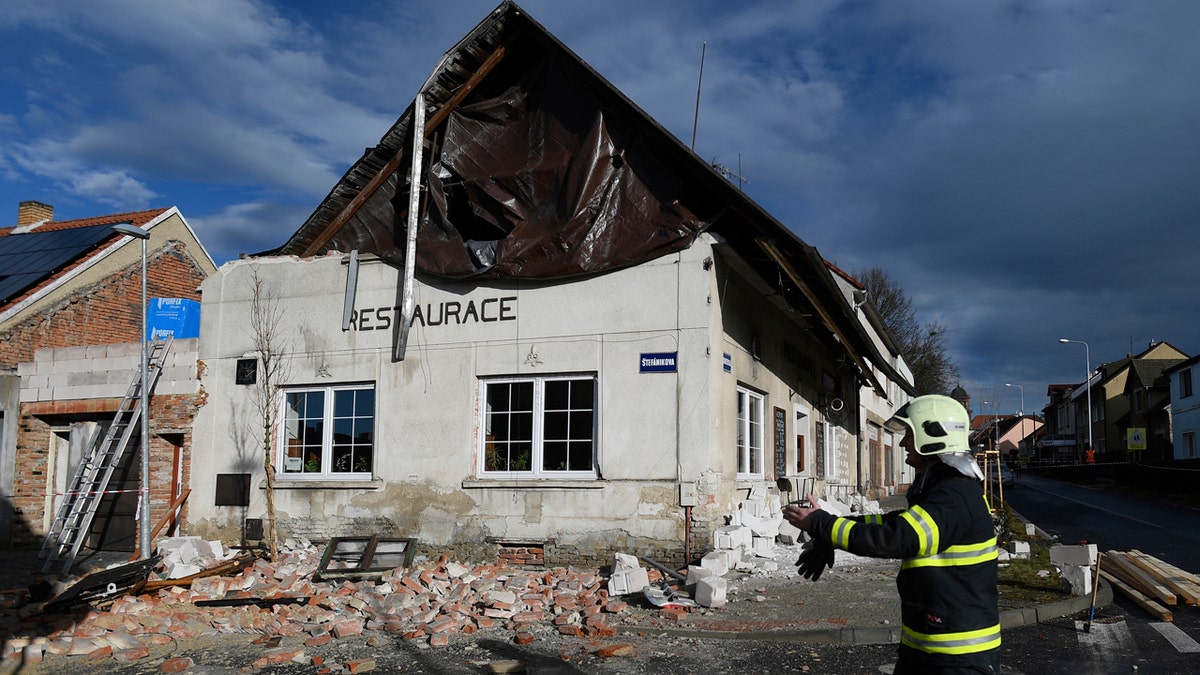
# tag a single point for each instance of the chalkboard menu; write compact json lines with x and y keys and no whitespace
{"x":819,"y":451}
{"x":780,"y":443}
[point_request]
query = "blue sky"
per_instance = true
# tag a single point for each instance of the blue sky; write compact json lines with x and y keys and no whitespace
{"x":1025,"y":170}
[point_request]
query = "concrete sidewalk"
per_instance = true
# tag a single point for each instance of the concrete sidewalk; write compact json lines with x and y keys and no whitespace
{"x":854,"y":603}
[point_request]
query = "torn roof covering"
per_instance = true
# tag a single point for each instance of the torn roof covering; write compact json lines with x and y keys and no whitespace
{"x":536,"y":167}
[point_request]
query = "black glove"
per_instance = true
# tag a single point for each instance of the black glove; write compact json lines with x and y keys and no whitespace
{"x":816,"y":556}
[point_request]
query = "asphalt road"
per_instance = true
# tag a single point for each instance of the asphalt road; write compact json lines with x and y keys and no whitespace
{"x":1111,"y":520}
{"x":1124,"y":637}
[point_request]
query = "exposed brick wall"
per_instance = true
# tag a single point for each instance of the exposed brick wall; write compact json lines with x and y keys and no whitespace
{"x":170,"y":415}
{"x":107,"y":312}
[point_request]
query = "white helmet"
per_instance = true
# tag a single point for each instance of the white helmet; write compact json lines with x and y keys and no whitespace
{"x":939,"y":424}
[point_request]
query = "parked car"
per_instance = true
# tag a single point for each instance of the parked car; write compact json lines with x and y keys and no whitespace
{"x":998,"y":472}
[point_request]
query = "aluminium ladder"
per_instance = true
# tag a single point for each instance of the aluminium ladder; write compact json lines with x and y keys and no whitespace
{"x":82,"y":499}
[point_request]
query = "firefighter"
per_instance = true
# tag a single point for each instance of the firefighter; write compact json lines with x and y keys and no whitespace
{"x":945,"y":539}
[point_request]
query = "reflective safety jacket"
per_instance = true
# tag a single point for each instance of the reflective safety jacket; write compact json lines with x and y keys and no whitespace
{"x":947,"y":580}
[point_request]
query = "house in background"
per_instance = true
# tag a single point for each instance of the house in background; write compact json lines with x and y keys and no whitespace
{"x":1185,"y":407}
{"x":1113,"y":404}
{"x":1147,"y":425}
{"x":532,"y":319}
{"x":70,"y":330}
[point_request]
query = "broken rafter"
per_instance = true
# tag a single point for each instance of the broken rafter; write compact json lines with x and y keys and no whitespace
{"x":394,"y":163}
{"x":776,"y":255}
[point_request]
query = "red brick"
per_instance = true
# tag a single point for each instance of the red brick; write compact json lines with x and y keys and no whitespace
{"x":360,"y":665}
{"x":523,"y":638}
{"x":616,"y":650}
{"x":132,"y":654}
{"x":318,"y":641}
{"x":176,"y":665}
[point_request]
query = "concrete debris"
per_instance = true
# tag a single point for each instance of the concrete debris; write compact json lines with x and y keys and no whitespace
{"x":1075,"y":563}
{"x":187,"y":556}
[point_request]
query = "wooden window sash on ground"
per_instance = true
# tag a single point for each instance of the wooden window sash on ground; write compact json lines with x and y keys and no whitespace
{"x":348,"y":557}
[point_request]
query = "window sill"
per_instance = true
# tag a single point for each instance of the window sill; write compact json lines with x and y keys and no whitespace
{"x":531,"y":484}
{"x":292,"y":484}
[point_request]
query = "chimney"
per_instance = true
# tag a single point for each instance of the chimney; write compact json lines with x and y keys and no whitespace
{"x":30,"y":212}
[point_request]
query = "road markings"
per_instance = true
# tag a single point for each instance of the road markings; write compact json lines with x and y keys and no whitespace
{"x":1098,"y":508}
{"x":1106,"y":640}
{"x":1180,"y":640}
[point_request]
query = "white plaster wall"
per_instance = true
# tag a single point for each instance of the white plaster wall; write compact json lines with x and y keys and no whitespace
{"x":655,"y":430}
{"x":427,"y":424}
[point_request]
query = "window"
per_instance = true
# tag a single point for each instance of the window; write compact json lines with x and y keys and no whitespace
{"x":749,"y":434}
{"x":1185,"y":383}
{"x":1189,"y":445}
{"x":328,"y":432}
{"x":539,"y":427}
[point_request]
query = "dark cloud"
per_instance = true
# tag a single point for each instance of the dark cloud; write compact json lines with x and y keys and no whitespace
{"x":1025,"y":171}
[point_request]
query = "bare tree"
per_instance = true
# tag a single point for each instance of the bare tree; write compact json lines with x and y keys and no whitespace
{"x":267,"y":335}
{"x":924,"y":346}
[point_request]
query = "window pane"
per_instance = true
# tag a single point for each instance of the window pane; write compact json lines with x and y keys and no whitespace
{"x":498,"y":397}
{"x":521,"y":456}
{"x":314,"y":404}
{"x":342,"y":458}
{"x":581,"y":457}
{"x":364,"y":403}
{"x":522,"y":426}
{"x":581,"y":425}
{"x":364,"y":431}
{"x":583,"y":394}
{"x":343,"y":430}
{"x":558,"y":394}
{"x":522,"y":396}
{"x":555,"y":426}
{"x":343,"y":403}
{"x":554,"y":456}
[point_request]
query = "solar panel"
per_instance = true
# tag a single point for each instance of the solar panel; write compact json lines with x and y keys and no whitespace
{"x":28,"y":258}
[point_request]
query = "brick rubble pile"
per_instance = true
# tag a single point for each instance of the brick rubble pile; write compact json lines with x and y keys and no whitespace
{"x":429,"y":602}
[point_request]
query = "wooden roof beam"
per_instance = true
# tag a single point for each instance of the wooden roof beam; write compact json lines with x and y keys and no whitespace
{"x":394,"y":163}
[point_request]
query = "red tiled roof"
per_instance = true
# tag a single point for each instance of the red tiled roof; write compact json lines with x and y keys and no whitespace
{"x":138,"y":218}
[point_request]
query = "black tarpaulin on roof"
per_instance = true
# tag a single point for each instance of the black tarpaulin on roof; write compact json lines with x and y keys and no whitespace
{"x":536,"y":177}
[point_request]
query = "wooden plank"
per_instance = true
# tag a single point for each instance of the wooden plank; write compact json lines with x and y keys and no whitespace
{"x":1157,"y":610}
{"x":1195,"y":579}
{"x":1121,"y":573}
{"x":1182,"y":587}
{"x":1146,"y":582}
{"x":393,"y":164}
{"x":227,"y":567}
{"x":171,"y":515}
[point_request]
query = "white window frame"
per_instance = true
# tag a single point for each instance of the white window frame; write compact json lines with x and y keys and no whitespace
{"x":749,"y":434}
{"x":285,"y":433}
{"x":536,"y":471}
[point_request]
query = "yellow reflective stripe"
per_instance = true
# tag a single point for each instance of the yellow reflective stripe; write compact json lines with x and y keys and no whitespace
{"x":953,"y":556}
{"x":966,"y":642}
{"x":925,"y":527}
{"x":873,"y":519}
{"x":840,"y":535}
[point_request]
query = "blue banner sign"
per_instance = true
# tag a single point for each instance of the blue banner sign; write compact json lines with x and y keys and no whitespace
{"x":660,"y":362}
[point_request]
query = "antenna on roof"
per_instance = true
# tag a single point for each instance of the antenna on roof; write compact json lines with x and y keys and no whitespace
{"x":696,"y":118}
{"x":729,"y":173}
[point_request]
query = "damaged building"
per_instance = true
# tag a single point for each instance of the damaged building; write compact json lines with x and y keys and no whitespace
{"x":70,"y":323}
{"x":531,"y":321}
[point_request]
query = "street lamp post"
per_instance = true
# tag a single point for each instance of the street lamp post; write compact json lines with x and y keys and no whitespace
{"x":1022,"y":413}
{"x":1087,"y":382}
{"x":144,"y":505}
